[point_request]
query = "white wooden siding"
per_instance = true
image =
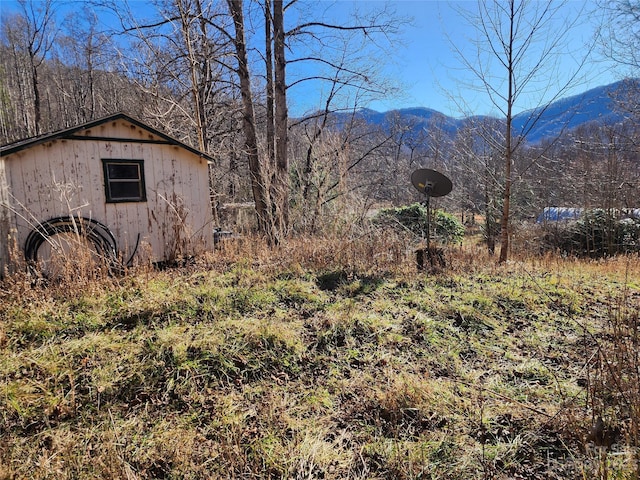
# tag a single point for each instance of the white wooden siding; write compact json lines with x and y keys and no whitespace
{"x":66,"y":176}
{"x":4,"y":219}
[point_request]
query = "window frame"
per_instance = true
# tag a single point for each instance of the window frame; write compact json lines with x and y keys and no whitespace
{"x":108,"y":181}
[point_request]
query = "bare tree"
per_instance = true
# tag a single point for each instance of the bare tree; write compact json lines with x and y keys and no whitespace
{"x":477,"y":154}
{"x":277,"y":117}
{"x":281,"y":118}
{"x":517,"y":46}
{"x":305,"y":43}
{"x":621,"y":43}
{"x":249,"y":119}
{"x":30,"y":34}
{"x":194,"y":57}
{"x":331,"y":147}
{"x":621,"y":35}
{"x":80,"y":69}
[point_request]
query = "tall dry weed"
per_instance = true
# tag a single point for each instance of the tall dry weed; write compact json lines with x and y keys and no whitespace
{"x":613,"y":386}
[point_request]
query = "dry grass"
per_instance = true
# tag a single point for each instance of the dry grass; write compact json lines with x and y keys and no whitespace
{"x":325,"y":358}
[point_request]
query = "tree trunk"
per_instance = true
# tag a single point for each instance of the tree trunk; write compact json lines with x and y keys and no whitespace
{"x":268,"y":60}
{"x":248,"y":117}
{"x":198,"y":106}
{"x":37,"y":115}
{"x":270,"y":126}
{"x":281,"y":121}
{"x":508,"y":150}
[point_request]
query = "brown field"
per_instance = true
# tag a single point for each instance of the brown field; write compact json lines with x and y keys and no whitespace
{"x":325,"y":359}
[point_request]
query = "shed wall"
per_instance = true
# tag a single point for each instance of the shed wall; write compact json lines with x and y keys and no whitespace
{"x":66,"y":176}
{"x":4,"y":219}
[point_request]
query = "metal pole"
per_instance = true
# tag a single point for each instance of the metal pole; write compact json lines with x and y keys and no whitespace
{"x":428,"y":226}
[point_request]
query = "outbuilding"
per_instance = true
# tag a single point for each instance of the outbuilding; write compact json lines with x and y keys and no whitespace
{"x":127,"y":189}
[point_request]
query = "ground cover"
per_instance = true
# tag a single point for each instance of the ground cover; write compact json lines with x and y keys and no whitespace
{"x":325,"y":359}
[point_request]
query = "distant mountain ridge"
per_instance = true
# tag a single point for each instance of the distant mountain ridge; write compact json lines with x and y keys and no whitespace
{"x":594,"y":105}
{"x":565,"y":114}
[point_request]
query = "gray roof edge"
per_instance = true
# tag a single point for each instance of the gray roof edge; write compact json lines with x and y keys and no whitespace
{"x":64,"y":133}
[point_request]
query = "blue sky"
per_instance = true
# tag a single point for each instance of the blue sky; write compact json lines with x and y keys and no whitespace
{"x":431,"y":75}
{"x":422,"y":63}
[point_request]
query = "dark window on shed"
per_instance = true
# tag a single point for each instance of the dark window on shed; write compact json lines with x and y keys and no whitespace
{"x":124,"y":180}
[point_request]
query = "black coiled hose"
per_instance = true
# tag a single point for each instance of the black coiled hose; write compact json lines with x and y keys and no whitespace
{"x":92,"y":230}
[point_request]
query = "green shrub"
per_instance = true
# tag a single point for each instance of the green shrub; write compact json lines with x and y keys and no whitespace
{"x":448,"y":228}
{"x":444,"y":226}
{"x":597,"y":233}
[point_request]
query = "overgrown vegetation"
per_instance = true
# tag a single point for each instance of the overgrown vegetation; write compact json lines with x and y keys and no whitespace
{"x":597,"y":233}
{"x":413,"y":218}
{"x":326,"y":358}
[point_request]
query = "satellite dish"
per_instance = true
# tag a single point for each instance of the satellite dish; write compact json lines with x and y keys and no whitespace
{"x":431,"y":183}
